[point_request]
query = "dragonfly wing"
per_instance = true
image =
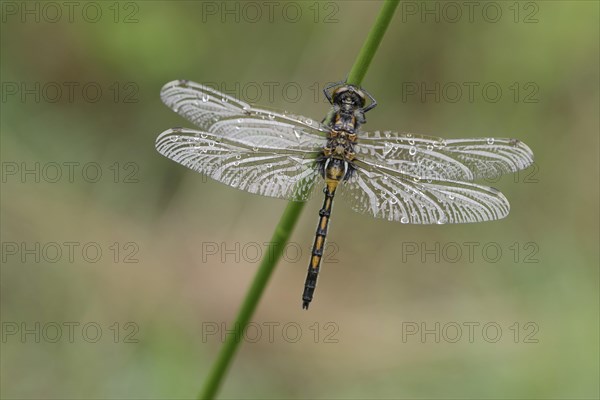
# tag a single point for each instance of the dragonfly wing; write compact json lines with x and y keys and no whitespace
{"x":214,"y":111}
{"x":383,"y":192}
{"x":244,"y":162}
{"x":435,"y":158}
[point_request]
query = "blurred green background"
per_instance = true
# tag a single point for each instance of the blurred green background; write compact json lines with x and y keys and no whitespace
{"x":179,"y":251}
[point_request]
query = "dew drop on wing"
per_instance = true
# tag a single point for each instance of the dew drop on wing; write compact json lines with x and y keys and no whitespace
{"x":413,"y":150}
{"x":205,"y":98}
{"x":490,"y":141}
{"x":404,"y":220}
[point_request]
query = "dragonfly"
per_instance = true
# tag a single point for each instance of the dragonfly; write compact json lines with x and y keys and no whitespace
{"x":404,"y":177}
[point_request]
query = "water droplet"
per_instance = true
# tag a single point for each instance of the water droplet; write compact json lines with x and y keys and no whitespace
{"x":271,"y":116}
{"x":451,"y":197}
{"x":255,"y":149}
{"x":429,"y":147}
{"x":205,"y":97}
{"x":387,"y":147}
{"x":308,"y":121}
{"x":211,"y":143}
{"x":203,"y":135}
{"x":404,"y":220}
{"x":224,"y":99}
{"x":238,"y":156}
{"x":437,"y":144}
{"x":490,"y":141}
{"x":409,"y":135}
{"x":442,"y":221}
{"x":412,"y":151}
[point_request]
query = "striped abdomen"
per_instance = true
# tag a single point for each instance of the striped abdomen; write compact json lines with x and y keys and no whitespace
{"x":334,"y":171}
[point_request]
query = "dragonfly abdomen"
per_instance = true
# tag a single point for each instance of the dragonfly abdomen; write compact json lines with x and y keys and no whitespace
{"x":318,"y":247}
{"x":334,"y":171}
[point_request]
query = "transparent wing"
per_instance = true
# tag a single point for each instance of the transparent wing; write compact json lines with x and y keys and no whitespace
{"x":245,"y":162}
{"x":436,"y":158}
{"x":217,"y":112}
{"x":386,"y":193}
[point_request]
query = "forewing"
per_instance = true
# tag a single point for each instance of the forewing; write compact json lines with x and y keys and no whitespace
{"x":214,"y":111}
{"x":386,"y":193}
{"x":436,"y":158}
{"x":243,"y":163}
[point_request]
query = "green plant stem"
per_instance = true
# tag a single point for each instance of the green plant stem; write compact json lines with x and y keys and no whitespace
{"x":367,"y":52}
{"x":286,"y":224}
{"x":280,"y":237}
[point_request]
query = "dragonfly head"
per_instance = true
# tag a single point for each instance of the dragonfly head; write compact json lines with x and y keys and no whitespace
{"x":349,"y":98}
